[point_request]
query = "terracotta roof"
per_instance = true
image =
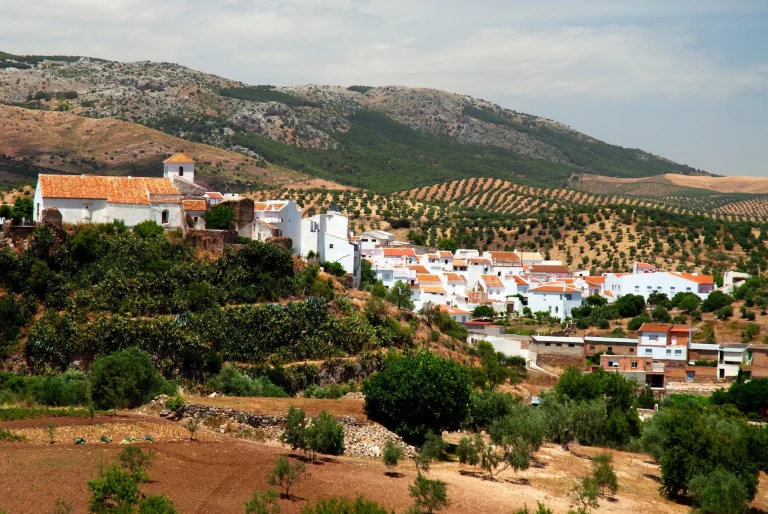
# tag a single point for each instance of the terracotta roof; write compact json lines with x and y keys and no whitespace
{"x":445,"y":255}
{"x":275,"y":206}
{"x":259,"y":206}
{"x":452,"y":310}
{"x":426,"y":277}
{"x":680,"y":328}
{"x":519,"y":280}
{"x":418,"y":268}
{"x":492,"y":280}
{"x":549,"y":268}
{"x":699,"y":279}
{"x":479,"y":260}
{"x":594,"y":280}
{"x":505,"y":256}
{"x":270,"y":226}
{"x":193,"y":205}
{"x":455,"y":277}
{"x":399,"y":252}
{"x":432,"y":289}
{"x":112,"y":189}
{"x":608,"y":293}
{"x":645,"y":265}
{"x":433,"y":256}
{"x":179,"y":157}
{"x":457,"y":263}
{"x":655,"y":327}
{"x":555,"y":288}
{"x":214,"y":195}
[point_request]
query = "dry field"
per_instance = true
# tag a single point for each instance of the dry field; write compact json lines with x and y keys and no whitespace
{"x":218,"y":473}
{"x":66,"y":141}
{"x":722,"y":184}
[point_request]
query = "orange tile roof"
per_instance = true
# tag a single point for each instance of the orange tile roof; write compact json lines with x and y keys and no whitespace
{"x":455,"y":277}
{"x":433,"y":289}
{"x":505,"y":256}
{"x":260,"y":206}
{"x":452,"y":310}
{"x":433,"y":256}
{"x":459,"y":263}
{"x":426,"y":277}
{"x":594,"y":280}
{"x":655,"y":327}
{"x":492,"y":280}
{"x":608,"y":293}
{"x":479,"y":260}
{"x":519,"y":280}
{"x":699,"y":279}
{"x":419,"y":268}
{"x":445,"y":255}
{"x":214,"y":195}
{"x":549,"y":268}
{"x":193,"y":205}
{"x":179,"y":157}
{"x":399,"y":252}
{"x":554,"y":288}
{"x":645,"y":265}
{"x":112,"y":189}
{"x":275,"y":206}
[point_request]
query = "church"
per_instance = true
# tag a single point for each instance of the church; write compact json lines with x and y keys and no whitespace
{"x":104,"y":199}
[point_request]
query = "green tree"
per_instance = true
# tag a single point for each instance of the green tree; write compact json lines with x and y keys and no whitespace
{"x":430,"y":451}
{"x":137,"y":462}
{"x":148,"y":229}
{"x":126,"y":379}
{"x":487,"y":406}
{"x":716,"y":300}
{"x":220,"y":217}
{"x":295,"y":433}
{"x":285,"y":474}
{"x":114,"y":491}
{"x":391,"y":454}
{"x":263,"y":502}
{"x":483,"y":311}
{"x":629,"y":305}
{"x":661,"y":314}
{"x":86,"y":245}
{"x":429,"y":495}
{"x":157,"y":504}
{"x":400,"y":295}
{"x":414,"y":394}
{"x":719,"y":492}
{"x":604,"y":475}
{"x":344,"y":506}
{"x":584,"y":495}
{"x":325,"y":435}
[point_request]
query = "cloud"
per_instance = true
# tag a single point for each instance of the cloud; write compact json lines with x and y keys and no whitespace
{"x":553,"y":49}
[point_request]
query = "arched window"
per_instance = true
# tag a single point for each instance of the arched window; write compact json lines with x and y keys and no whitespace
{"x":164,"y":217}
{"x":181,"y":171}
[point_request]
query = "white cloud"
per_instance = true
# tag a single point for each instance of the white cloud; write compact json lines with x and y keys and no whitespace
{"x":593,"y":48}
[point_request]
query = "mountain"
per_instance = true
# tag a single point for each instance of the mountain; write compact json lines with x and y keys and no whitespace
{"x":385,"y":138}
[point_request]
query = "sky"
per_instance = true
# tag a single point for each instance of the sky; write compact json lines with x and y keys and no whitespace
{"x":685,"y":79}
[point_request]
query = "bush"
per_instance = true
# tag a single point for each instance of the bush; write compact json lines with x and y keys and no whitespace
{"x":137,"y":462}
{"x":415,"y":394}
{"x":263,"y":502}
{"x":233,"y":383}
{"x":285,"y":474}
{"x":325,"y":435}
{"x":483,"y":311}
{"x":716,"y":300}
{"x":220,"y":217}
{"x":113,"y":491}
{"x":148,"y":229}
{"x":175,"y":403}
{"x":724,"y":312}
{"x":629,"y":305}
{"x":719,"y":492}
{"x":126,"y":379}
{"x":344,"y":506}
{"x":487,"y":406}
{"x":429,"y":495}
{"x":391,"y":454}
{"x":637,"y":322}
{"x":334,"y":268}
{"x":157,"y":504}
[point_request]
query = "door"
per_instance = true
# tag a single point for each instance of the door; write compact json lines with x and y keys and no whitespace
{"x":689,"y":375}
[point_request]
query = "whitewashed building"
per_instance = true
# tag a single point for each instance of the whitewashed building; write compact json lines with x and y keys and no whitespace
{"x":556,"y":299}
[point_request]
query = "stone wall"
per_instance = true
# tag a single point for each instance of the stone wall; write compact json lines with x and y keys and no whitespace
{"x":51,"y":216}
{"x":212,"y":241}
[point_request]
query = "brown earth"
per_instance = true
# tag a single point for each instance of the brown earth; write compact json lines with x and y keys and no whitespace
{"x":279,"y":406}
{"x":218,"y":473}
{"x":63,"y":141}
{"x":722,"y":184}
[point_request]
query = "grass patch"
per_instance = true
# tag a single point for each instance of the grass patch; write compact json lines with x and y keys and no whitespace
{"x":17,"y":413}
{"x":11,"y":437}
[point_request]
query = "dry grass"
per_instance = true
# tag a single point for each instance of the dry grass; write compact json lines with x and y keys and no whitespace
{"x":117,"y":432}
{"x":722,"y":184}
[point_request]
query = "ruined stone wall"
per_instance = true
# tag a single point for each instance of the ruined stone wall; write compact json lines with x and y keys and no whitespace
{"x":211,"y":241}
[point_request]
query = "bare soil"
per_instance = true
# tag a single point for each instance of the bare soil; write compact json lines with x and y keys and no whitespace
{"x":722,"y":184}
{"x":219,"y":473}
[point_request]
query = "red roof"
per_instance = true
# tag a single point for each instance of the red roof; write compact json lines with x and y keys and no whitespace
{"x":519,"y":280}
{"x":426,"y":277}
{"x":492,"y":280}
{"x":179,"y":157}
{"x":695,"y":277}
{"x":399,"y":252}
{"x":445,"y":255}
{"x":418,"y":268}
{"x":505,"y":256}
{"x":455,"y":277}
{"x":549,"y":268}
{"x":136,"y":190}
{"x":452,"y":310}
{"x":214,"y":195}
{"x":554,"y":288}
{"x":193,"y":205}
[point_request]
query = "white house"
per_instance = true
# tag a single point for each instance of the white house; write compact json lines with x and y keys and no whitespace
{"x":664,"y":342}
{"x":731,"y":357}
{"x":104,"y":199}
{"x":285,"y":216}
{"x":670,"y":283}
{"x":374,"y":239}
{"x":180,"y":166}
{"x":556,"y":299}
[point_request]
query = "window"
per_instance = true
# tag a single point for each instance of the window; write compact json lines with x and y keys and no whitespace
{"x":631,"y":350}
{"x":591,"y":347}
{"x":164,"y":217}
{"x":559,"y":344}
{"x":547,"y":344}
{"x":671,"y":289}
{"x":637,"y":289}
{"x":687,"y":288}
{"x":610,"y":348}
{"x":658,"y":288}
{"x":330,"y":245}
{"x":648,"y":351}
{"x":633,"y":364}
{"x":653,"y":338}
{"x":571,"y":345}
{"x":678,"y":352}
{"x":669,"y":353}
{"x":557,"y":309}
{"x":38,"y":211}
{"x":181,"y":171}
{"x":649,"y":288}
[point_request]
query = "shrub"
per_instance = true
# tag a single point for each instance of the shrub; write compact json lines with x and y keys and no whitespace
{"x":263,"y":502}
{"x":137,"y":462}
{"x":483,"y":311}
{"x":86,"y":246}
{"x":334,"y":268}
{"x":126,"y":379}
{"x":192,"y":425}
{"x":724,"y":312}
{"x":629,"y":305}
{"x":8,"y":436}
{"x":637,"y":322}
{"x":148,"y":229}
{"x":233,"y":383}
{"x":415,"y":394}
{"x":429,"y":495}
{"x":157,"y":504}
{"x":719,"y":492}
{"x":295,"y":433}
{"x":604,"y":475}
{"x":716,"y":300}
{"x":220,"y":217}
{"x":113,"y":491}
{"x":431,"y":450}
{"x":391,"y":454}
{"x":175,"y":403}
{"x":325,"y":435}
{"x":285,"y":474}
{"x":344,"y":506}
{"x":487,"y":406}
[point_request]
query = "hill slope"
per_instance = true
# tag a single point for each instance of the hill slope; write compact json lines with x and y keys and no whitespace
{"x":67,"y":142}
{"x":385,"y":138}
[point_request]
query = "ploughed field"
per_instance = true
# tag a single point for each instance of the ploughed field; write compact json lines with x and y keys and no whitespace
{"x":218,"y":472}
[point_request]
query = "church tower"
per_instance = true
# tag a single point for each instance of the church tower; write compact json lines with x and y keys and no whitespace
{"x":179,"y":165}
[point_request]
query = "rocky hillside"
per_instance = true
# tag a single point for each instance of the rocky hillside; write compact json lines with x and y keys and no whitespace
{"x":385,"y":138}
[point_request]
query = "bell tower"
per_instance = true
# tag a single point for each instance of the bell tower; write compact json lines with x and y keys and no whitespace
{"x":179,"y":165}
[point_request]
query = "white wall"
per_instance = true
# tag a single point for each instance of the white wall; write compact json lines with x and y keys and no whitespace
{"x":556,"y":304}
{"x":77,"y":210}
{"x":171,"y":169}
{"x":647,"y":338}
{"x":676,"y":353}
{"x":646,"y":283}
